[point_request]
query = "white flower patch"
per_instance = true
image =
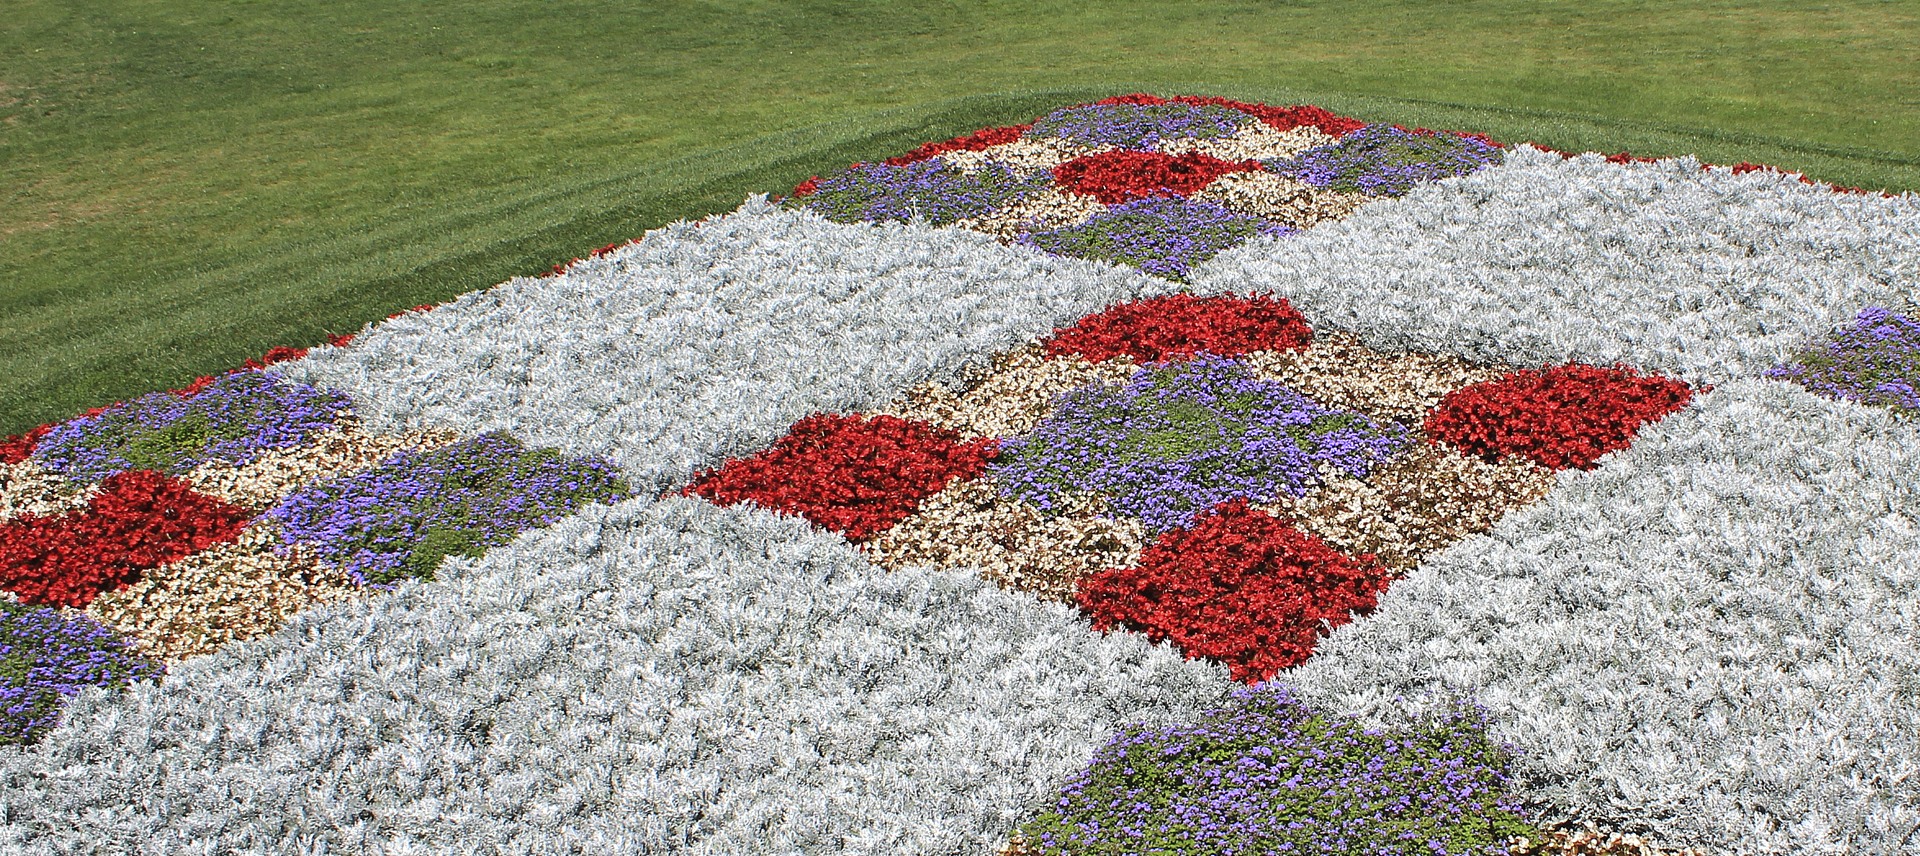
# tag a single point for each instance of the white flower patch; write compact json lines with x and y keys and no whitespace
{"x":1257,"y":141}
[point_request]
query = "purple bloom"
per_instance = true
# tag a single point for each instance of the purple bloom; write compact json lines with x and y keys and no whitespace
{"x":1164,"y":236}
{"x":1266,"y":775}
{"x":45,"y":657}
{"x":1875,"y":362}
{"x":1137,"y":126}
{"x":930,"y":188}
{"x":1180,"y":438}
{"x":236,"y":419}
{"x":1381,"y":160}
{"x":402,"y":517}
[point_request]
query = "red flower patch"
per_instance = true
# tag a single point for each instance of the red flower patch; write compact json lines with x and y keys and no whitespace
{"x":1240,"y":588}
{"x":1176,"y":326}
{"x":141,"y":519}
{"x":1560,"y":417}
{"x":1116,"y":177}
{"x":18,"y":447}
{"x":848,"y":473}
{"x":981,"y":139}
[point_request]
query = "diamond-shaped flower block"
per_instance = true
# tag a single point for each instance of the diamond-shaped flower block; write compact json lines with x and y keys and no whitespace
{"x":1239,"y":587}
{"x":400,"y":518}
{"x":1209,"y":471}
{"x":1876,"y":361}
{"x":1560,"y":417}
{"x":855,"y":475}
{"x":1178,"y":326}
{"x":46,"y":657}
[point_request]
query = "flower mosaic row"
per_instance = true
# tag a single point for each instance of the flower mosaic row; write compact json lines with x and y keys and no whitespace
{"x":1160,"y":184}
{"x":173,"y":524}
{"x":1210,"y":472}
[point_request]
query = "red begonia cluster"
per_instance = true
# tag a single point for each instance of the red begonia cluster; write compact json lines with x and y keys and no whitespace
{"x":981,"y":139}
{"x":1116,"y":177}
{"x":855,"y":475}
{"x":1559,"y":417}
{"x":140,"y":519}
{"x":1241,"y":587}
{"x":1177,"y":326}
{"x":18,"y":447}
{"x":1278,"y":118}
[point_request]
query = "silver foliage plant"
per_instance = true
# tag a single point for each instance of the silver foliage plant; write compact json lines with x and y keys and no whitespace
{"x":706,"y":340}
{"x":1706,"y":633}
{"x":1704,"y":276}
{"x":640,"y":678}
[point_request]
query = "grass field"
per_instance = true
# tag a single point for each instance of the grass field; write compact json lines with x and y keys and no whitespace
{"x":186,"y":185}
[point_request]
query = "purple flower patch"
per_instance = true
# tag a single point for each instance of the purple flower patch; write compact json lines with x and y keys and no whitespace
{"x":1266,"y":775}
{"x":1876,"y":362}
{"x":46,"y":657}
{"x":402,"y":517}
{"x":235,"y":419}
{"x":929,"y":189}
{"x":1181,"y":438}
{"x":1138,"y":126}
{"x":1382,"y":160}
{"x":1165,"y":236}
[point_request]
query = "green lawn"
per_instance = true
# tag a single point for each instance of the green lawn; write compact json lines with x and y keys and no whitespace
{"x":188,"y":184}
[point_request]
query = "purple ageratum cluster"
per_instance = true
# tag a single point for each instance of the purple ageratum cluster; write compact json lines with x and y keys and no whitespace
{"x":46,"y":657}
{"x":1138,"y":126}
{"x":235,"y":419}
{"x":1163,"y":236}
{"x":1382,"y":160}
{"x":401,"y":518}
{"x":930,"y":189}
{"x":1876,"y":362}
{"x":1181,"y":438}
{"x":1266,"y":775}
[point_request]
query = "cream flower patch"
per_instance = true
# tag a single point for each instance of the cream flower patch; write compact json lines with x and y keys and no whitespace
{"x":1259,"y":141}
{"x":26,"y":488}
{"x":1017,"y":391}
{"x":1341,"y":372}
{"x":227,"y":593}
{"x":346,"y":448}
{"x":1011,"y":543}
{"x":1282,"y":200}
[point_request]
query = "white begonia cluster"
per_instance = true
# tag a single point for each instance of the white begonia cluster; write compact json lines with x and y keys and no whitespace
{"x":1014,"y":395}
{"x":1424,"y":500}
{"x":229,"y":593}
{"x":26,"y":488}
{"x":1258,"y":141}
{"x":1283,"y":200}
{"x":1023,"y":155}
{"x":971,"y":527}
{"x":1339,"y":371}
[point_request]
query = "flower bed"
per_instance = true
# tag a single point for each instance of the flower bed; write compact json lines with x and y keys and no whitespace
{"x":1206,"y":471}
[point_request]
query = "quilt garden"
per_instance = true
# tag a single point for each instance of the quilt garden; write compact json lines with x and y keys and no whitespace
{"x":1164,"y":475}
